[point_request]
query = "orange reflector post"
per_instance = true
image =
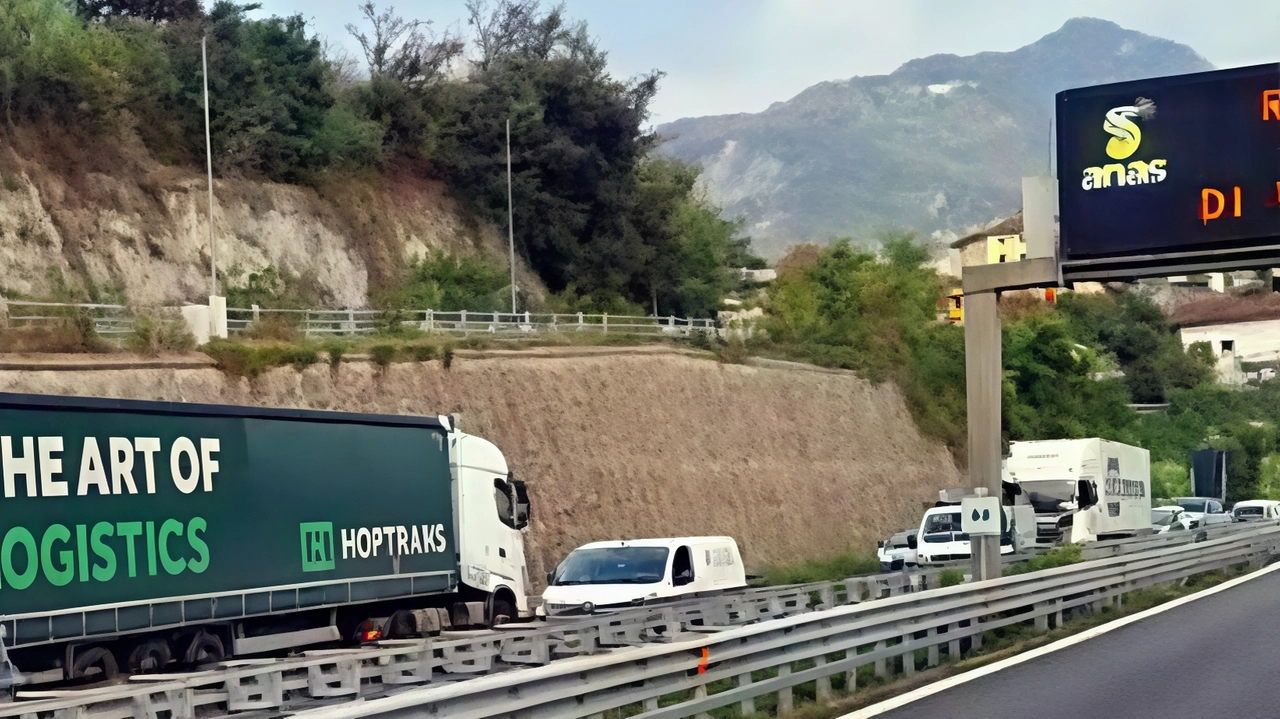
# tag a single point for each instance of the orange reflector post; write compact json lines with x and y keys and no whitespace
{"x":371,"y":636}
{"x":1050,"y":295}
{"x":702,"y":663}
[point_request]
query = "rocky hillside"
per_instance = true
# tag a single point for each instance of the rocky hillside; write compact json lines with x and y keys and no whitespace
{"x":939,"y":145}
{"x":627,"y":443}
{"x":104,"y":216}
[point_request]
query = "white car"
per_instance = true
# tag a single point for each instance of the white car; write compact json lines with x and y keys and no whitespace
{"x":1255,"y":510}
{"x":898,"y":551}
{"x":1209,"y":511}
{"x":1172,"y":518}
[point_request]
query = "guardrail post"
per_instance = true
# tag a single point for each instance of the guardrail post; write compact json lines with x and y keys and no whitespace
{"x":908,"y":658}
{"x":256,"y":310}
{"x":1042,"y":620}
{"x":464,"y":323}
{"x":747,"y":706}
{"x":579,"y":321}
{"x":351,"y":320}
{"x":822,"y":685}
{"x":604,"y":322}
{"x":932,"y":633}
{"x":1057,"y":614}
{"x":4,"y":312}
{"x":881,"y":670}
{"x":700,"y":692}
{"x":786,"y":702}
{"x":953,"y":646}
{"x":431,"y":320}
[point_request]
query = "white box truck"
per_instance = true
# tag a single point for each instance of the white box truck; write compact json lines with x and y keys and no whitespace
{"x":1083,"y":489}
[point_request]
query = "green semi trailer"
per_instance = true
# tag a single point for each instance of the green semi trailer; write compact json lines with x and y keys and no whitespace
{"x":137,"y":535}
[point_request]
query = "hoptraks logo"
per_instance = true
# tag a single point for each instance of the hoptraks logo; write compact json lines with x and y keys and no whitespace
{"x":1126,"y":137}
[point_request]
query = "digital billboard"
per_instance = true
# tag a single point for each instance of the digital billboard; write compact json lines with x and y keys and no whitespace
{"x":1170,"y":172}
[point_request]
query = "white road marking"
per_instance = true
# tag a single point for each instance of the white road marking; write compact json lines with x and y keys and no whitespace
{"x":945,"y":684}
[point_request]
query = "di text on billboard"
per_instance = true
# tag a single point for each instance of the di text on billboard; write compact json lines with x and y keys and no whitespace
{"x":1185,"y":166}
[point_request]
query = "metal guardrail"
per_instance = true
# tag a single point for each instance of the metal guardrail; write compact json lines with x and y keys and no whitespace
{"x":759,"y":641}
{"x":698,"y":672}
{"x":320,"y":323}
{"x":246,"y":685}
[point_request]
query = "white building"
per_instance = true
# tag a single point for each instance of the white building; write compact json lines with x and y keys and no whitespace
{"x":1235,"y":343}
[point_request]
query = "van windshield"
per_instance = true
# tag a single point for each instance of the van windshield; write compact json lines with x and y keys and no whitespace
{"x":613,"y":565}
{"x":1046,"y":495}
{"x":1191,"y":504}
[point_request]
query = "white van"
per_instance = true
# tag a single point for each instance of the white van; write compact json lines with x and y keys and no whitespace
{"x":615,"y":575}
{"x":1256,"y":510}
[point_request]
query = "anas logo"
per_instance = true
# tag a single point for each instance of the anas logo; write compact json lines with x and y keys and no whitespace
{"x":1126,"y":137}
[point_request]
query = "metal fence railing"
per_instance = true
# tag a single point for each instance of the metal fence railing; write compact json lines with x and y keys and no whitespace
{"x":111,"y":321}
{"x":117,"y":321}
{"x":321,"y":323}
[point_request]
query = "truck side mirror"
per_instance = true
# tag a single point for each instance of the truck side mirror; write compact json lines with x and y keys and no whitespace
{"x":551,"y":577}
{"x":912,"y":542}
{"x":1086,"y":494}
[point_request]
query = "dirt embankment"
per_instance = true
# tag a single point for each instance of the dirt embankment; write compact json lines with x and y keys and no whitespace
{"x":794,"y":464}
{"x":107,"y":213}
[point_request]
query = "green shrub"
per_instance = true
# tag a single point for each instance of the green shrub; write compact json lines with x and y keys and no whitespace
{"x":152,"y":335}
{"x":733,"y":351}
{"x":383,"y":355}
{"x":836,"y":567}
{"x":1058,"y":557}
{"x":335,"y":349}
{"x":951,"y":577}
{"x":422,"y":352}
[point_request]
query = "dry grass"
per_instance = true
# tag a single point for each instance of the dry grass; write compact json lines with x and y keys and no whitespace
{"x":73,"y":335}
{"x":1222,"y":309}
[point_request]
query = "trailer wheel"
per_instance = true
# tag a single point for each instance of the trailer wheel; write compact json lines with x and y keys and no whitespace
{"x":205,"y":648}
{"x":399,"y":625}
{"x":149,"y":657}
{"x":97,"y":663}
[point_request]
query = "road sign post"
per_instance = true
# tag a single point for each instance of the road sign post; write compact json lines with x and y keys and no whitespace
{"x":984,"y":373}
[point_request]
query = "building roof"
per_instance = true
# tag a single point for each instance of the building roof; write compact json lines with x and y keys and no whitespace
{"x":1007,"y":226}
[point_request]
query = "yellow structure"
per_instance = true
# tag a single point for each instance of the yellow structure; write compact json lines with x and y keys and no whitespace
{"x":1006,"y":248}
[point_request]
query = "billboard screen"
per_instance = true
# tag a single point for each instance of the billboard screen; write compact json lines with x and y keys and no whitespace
{"x":1186,"y":167}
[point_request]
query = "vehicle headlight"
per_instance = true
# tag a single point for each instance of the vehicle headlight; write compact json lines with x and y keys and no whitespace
{"x":588,"y":607}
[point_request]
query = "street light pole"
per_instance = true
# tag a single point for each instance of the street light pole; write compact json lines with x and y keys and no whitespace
{"x":511,"y":231}
{"x":208,"y":151}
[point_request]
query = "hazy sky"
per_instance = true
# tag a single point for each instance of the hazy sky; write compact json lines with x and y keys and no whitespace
{"x":726,"y":56}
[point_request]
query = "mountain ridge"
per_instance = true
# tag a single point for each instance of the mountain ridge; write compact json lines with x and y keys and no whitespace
{"x":938,"y":145}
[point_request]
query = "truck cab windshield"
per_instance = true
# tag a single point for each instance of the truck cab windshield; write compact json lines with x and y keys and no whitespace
{"x":613,"y":565}
{"x":1047,"y":495}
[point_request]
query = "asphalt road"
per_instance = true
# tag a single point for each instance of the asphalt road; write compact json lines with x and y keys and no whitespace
{"x":1214,"y":657}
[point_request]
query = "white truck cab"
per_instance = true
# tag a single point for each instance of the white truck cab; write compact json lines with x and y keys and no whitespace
{"x":618,"y":574}
{"x":491,"y":511}
{"x":940,"y":538}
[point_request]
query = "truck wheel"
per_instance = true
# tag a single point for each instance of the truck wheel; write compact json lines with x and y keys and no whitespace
{"x":149,"y":657}
{"x":205,"y":648}
{"x":98,"y":664}
{"x":503,"y":612}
